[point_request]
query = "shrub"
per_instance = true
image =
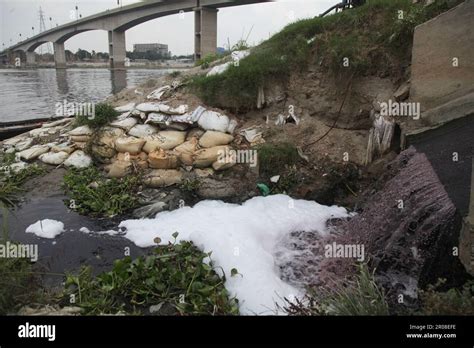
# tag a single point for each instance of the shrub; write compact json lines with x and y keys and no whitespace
{"x":174,"y":280}
{"x":91,"y":193}
{"x":104,"y":114}
{"x":273,"y":159}
{"x":451,"y":302}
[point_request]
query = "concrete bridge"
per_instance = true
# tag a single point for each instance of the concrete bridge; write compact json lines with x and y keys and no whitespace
{"x":117,"y":21}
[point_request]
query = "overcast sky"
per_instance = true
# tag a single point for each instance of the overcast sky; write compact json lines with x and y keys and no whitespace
{"x":255,"y":21}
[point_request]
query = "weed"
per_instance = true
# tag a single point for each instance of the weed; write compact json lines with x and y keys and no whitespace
{"x":104,"y":114}
{"x":273,"y":159}
{"x":451,"y":302}
{"x":190,"y":186}
{"x":175,"y":280}
{"x":91,"y":193}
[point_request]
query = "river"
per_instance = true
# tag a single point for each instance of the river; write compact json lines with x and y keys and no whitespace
{"x":29,"y":94}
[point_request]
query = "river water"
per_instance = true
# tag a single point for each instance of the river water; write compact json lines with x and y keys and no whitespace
{"x":29,"y":94}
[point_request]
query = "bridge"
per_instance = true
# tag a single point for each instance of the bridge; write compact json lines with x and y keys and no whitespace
{"x":117,"y":21}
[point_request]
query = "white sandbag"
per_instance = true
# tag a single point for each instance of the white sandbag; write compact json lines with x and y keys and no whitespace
{"x":149,"y":107}
{"x":78,"y":159}
{"x":206,"y":157}
{"x":219,"y":69}
{"x":61,"y":122}
{"x":14,"y":168}
{"x":54,"y":158}
{"x":163,"y":177}
{"x":142,"y":130}
{"x":158,"y":93}
{"x":125,"y":124}
{"x":165,"y":140}
{"x":125,"y":108}
{"x":23,"y":145}
{"x":82,"y":130}
{"x":162,"y":108}
{"x":33,"y":152}
{"x":211,"y":120}
{"x":213,"y":138}
{"x":129,"y":145}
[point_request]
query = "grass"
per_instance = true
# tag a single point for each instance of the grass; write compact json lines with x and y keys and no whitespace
{"x":273,"y":159}
{"x":372,"y":37}
{"x":174,"y":280}
{"x":360,"y":296}
{"x":91,"y":193}
{"x":104,"y":114}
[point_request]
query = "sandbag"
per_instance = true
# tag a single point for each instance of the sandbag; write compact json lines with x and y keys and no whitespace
{"x":54,"y":158}
{"x":129,"y":144}
{"x":160,"y":159}
{"x":125,"y":108}
{"x":163,"y":177}
{"x":165,"y":140}
{"x":206,"y":157}
{"x":80,"y":138}
{"x":119,"y":169}
{"x":82,"y":130}
{"x":125,"y":124}
{"x":142,"y":130}
{"x":80,"y":146}
{"x":102,"y":152}
{"x":186,"y":150}
{"x":23,"y":145}
{"x":108,"y":135}
{"x":33,"y":152}
{"x":78,"y":159}
{"x":63,"y":148}
{"x":213,"y":138}
{"x":142,"y":156}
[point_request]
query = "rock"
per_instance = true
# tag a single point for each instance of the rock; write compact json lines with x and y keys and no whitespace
{"x":142,"y":130}
{"x":54,"y":158}
{"x":214,"y":189}
{"x":213,"y":138}
{"x":165,"y":140}
{"x":161,"y":160}
{"x":163,"y":178}
{"x":186,"y":150}
{"x":402,"y":92}
{"x":129,"y":145}
{"x":206,"y":157}
{"x":125,"y":124}
{"x":150,"y":211}
{"x":82,"y":130}
{"x":119,"y":169}
{"x":33,"y":152}
{"x":125,"y":108}
{"x":78,"y":159}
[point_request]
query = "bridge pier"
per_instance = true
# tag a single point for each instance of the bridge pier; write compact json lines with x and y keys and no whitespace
{"x":205,"y":24}
{"x":30,"y":58}
{"x":59,"y":55}
{"x":117,"y":50}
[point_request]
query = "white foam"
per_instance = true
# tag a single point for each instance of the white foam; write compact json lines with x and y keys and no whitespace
{"x":242,"y":237}
{"x":46,"y":228}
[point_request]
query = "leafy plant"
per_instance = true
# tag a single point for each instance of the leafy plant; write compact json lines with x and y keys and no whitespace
{"x":104,"y":114}
{"x":174,"y":280}
{"x":91,"y":193}
{"x":451,"y":302}
{"x":190,"y":186}
{"x":273,"y":159}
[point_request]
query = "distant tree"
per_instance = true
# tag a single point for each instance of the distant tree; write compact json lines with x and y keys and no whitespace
{"x":83,"y":54}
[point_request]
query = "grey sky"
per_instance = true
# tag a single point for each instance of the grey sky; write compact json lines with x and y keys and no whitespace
{"x":19,"y":16}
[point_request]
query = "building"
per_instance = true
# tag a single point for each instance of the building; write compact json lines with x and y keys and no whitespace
{"x":161,"y":49}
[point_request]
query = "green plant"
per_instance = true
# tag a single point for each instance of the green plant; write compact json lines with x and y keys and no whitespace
{"x":175,"y":280}
{"x":451,"y":302}
{"x":103,"y":115}
{"x":273,"y":159}
{"x":189,"y":185}
{"x":91,"y":193}
{"x":175,"y":74}
{"x":359,"y":296}
{"x":206,"y":61}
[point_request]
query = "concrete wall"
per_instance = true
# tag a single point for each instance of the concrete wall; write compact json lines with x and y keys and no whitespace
{"x":435,"y":79}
